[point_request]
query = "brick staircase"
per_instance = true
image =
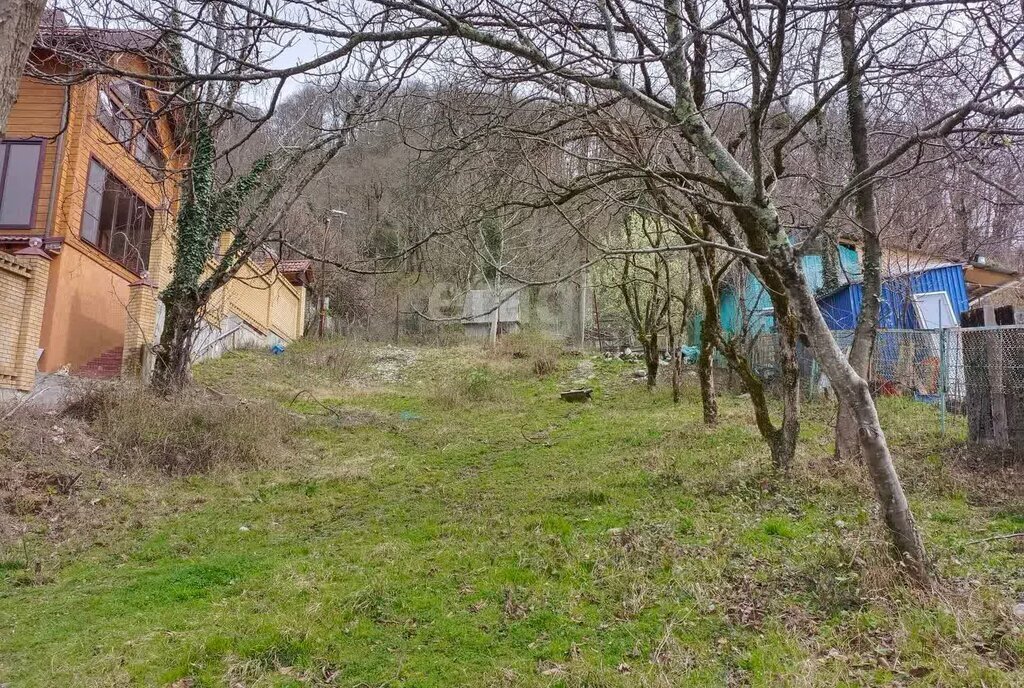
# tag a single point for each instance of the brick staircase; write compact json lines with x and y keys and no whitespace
{"x":105,"y":366}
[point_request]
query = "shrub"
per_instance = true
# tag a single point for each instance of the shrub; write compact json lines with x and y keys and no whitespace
{"x":539,"y":350}
{"x":188,"y":433}
{"x":544,"y":366}
{"x":477,"y":385}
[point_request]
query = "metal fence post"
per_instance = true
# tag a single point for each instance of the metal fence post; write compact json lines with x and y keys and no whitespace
{"x":943,"y":373}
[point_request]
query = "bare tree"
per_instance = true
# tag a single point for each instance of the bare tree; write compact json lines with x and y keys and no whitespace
{"x":847,"y":445}
{"x":640,"y":285}
{"x":729,"y":86}
{"x":19,"y":21}
{"x":612,"y":50}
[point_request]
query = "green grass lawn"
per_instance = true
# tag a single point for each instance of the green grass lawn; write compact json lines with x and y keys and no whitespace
{"x":469,"y":528}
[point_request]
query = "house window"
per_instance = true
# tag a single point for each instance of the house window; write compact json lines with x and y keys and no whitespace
{"x":116,"y":221}
{"x":20,"y":168}
{"x":114,"y":117}
{"x":148,"y":150}
{"x":123,"y":110}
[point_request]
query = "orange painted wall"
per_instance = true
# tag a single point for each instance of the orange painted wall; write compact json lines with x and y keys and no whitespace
{"x":85,"y":310}
{"x":85,"y":313}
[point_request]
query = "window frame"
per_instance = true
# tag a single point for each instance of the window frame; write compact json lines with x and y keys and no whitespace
{"x":119,"y":112}
{"x":155,"y":150}
{"x":40,"y":142}
{"x":139,"y":199}
{"x":128,"y":114}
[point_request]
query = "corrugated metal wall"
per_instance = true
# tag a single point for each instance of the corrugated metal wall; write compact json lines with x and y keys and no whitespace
{"x":949,"y":279}
{"x":897,"y":309}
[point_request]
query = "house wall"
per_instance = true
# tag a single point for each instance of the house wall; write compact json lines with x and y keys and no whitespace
{"x":23,"y":281}
{"x":88,"y":291}
{"x":37,"y":114}
{"x":258,"y":306}
{"x":13,"y":286}
{"x":85,"y":309}
{"x":841,"y":308}
{"x":752,"y":311}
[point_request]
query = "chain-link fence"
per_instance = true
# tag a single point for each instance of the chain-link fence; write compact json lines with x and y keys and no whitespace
{"x":993,"y":377}
{"x":975,"y":372}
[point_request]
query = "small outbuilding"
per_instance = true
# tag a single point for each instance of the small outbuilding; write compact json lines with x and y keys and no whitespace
{"x":927,"y":298}
{"x":478,"y":313}
{"x":919,"y":349}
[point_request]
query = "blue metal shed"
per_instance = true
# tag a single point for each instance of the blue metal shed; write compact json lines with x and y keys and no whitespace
{"x":841,"y":307}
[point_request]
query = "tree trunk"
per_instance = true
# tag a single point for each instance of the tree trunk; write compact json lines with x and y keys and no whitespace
{"x":19,"y":24}
{"x":677,"y":372}
{"x":674,"y":357}
{"x":782,"y":440}
{"x":847,"y":442}
{"x":711,"y":334}
{"x":784,"y":448}
{"x":754,"y":385}
{"x":173,"y":370}
{"x":496,"y":316}
{"x":853,"y":390}
{"x":650,"y":346}
{"x":706,"y":374}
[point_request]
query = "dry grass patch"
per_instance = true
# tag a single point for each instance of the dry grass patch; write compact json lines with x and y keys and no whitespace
{"x":330,"y":360}
{"x":540,"y":352}
{"x":189,"y":433}
{"x":50,"y":476}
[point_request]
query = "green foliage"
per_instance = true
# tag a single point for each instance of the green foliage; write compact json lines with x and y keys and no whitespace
{"x":195,"y":238}
{"x":207,"y":211}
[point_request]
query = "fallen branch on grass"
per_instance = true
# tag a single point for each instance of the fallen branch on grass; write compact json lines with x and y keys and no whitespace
{"x":996,"y":537}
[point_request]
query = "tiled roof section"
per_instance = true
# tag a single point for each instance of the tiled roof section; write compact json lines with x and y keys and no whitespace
{"x":298,"y":272}
{"x":294,"y":265}
{"x":54,"y":32}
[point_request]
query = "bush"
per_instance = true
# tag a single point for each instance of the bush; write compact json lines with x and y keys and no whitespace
{"x":189,"y":433}
{"x":544,"y":366}
{"x":477,"y":385}
{"x":539,"y":350}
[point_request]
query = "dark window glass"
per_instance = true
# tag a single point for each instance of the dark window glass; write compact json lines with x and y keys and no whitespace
{"x":123,"y":110}
{"x":147,"y":149}
{"x":19,"y":180}
{"x":116,"y":220}
{"x":114,"y":117}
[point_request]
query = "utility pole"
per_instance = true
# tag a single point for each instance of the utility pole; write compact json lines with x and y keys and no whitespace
{"x":322,"y":299}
